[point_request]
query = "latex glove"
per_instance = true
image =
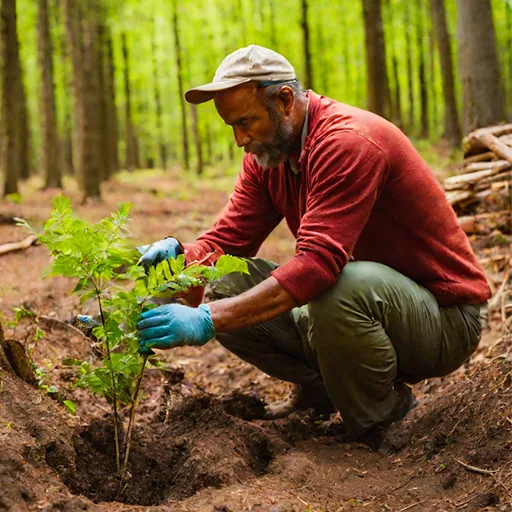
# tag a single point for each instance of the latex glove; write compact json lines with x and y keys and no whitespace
{"x":159,"y":251}
{"x":174,"y":325}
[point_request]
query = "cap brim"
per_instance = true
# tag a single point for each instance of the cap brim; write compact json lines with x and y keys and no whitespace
{"x":207,"y":92}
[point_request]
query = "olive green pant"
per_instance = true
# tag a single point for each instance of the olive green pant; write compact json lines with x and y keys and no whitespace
{"x":374,"y":326}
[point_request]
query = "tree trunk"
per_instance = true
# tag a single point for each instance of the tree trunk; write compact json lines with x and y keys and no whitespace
{"x":308,"y":71}
{"x":177,"y":50}
{"x":81,"y":42}
{"x":158,"y":103}
{"x":197,"y":140}
{"x":131,"y":143}
{"x":377,"y":79}
{"x":452,"y":131}
{"x":410,"y":80}
{"x":25,"y":145}
{"x":10,"y":155}
{"x":422,"y":75}
{"x":478,"y":62}
{"x":94,"y":139}
{"x":111,"y":121}
{"x":50,"y":161}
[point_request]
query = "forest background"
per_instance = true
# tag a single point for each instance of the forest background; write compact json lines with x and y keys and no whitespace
{"x":90,"y":87}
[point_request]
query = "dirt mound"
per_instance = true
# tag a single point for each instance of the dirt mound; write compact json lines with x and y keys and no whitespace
{"x":465,"y":432}
{"x":199,"y":445}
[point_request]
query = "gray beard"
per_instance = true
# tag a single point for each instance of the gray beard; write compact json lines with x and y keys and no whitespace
{"x":271,"y":155}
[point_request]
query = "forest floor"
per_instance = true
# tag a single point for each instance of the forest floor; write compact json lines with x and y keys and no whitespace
{"x":199,"y":445}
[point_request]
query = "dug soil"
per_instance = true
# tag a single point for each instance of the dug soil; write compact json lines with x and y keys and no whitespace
{"x":200,"y":443}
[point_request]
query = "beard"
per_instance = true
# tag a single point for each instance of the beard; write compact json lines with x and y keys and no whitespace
{"x":269,"y":155}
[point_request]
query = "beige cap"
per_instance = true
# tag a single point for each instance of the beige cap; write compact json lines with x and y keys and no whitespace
{"x":251,"y":63}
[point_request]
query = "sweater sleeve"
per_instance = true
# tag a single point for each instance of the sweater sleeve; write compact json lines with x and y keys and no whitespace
{"x":347,"y":172}
{"x":246,"y":221}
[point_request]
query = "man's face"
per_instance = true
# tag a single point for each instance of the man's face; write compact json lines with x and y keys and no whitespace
{"x":262,"y":131}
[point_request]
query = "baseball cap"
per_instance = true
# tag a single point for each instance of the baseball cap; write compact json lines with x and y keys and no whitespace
{"x":252,"y":63}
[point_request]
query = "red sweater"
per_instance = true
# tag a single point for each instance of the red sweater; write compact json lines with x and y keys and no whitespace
{"x":362,"y":191}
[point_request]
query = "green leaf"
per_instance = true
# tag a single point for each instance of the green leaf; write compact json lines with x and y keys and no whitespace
{"x":70,"y":406}
{"x":228,"y":264}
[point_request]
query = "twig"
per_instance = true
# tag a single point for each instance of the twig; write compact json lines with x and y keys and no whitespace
{"x":409,"y":480}
{"x":114,"y":389}
{"x":131,"y":423}
{"x":16,"y":246}
{"x":412,"y":505}
{"x":474,"y":469}
{"x":50,"y":319}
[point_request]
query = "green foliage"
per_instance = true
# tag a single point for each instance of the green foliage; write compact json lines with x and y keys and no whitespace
{"x":107,"y":270}
{"x":19,"y":313}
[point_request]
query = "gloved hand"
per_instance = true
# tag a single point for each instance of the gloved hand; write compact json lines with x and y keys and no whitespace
{"x":159,"y":251}
{"x":174,"y":325}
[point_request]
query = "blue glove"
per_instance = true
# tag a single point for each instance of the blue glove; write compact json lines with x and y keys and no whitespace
{"x":159,"y":251}
{"x":174,"y":325}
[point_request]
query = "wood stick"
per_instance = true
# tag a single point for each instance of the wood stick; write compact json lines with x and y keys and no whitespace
{"x":478,"y":158}
{"x":473,"y":144}
{"x":483,"y":166}
{"x":458,"y":196}
{"x":17,"y":246}
{"x":495,"y":144}
{"x":506,"y":139}
{"x":462,"y":180}
{"x":474,"y":469}
{"x":503,"y":176}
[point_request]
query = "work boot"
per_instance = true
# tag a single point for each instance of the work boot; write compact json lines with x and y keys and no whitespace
{"x":404,"y":402}
{"x":303,"y":397}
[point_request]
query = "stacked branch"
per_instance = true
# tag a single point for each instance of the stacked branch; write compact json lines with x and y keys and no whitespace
{"x":481,"y":191}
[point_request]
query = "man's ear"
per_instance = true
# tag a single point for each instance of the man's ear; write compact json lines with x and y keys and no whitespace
{"x":286,"y":100}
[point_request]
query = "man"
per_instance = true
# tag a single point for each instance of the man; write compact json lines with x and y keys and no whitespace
{"x":383,"y":288}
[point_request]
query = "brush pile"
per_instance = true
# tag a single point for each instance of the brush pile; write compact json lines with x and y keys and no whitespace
{"x":481,"y":195}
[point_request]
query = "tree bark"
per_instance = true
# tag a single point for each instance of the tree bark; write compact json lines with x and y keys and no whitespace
{"x":422,"y":75}
{"x":50,"y":161}
{"x":179,"y":66}
{"x":479,"y":68}
{"x":81,"y":33}
{"x":158,"y":103}
{"x":10,"y":77}
{"x":308,"y":70}
{"x":197,"y":140}
{"x":410,"y":79}
{"x":452,"y":131}
{"x":111,"y":121}
{"x":131,"y":159}
{"x":377,"y":79}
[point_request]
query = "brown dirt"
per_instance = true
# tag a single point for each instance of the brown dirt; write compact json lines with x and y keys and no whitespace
{"x":199,"y":444}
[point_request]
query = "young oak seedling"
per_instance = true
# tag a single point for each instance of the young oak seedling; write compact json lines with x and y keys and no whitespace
{"x":100,"y":257}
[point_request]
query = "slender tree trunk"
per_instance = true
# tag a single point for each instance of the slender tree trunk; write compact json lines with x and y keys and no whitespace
{"x":197,"y":140}
{"x":158,"y":103}
{"x":50,"y":160}
{"x":377,"y":81}
{"x":273,"y":39}
{"x":111,"y":121}
{"x":179,"y":66}
{"x":410,"y":79}
{"x":422,"y":75}
{"x":131,"y":143}
{"x":81,"y":39}
{"x":308,"y":70}
{"x":452,"y":131}
{"x":479,"y":68}
{"x":94,"y":136}
{"x":24,"y":120}
{"x":509,"y":55}
{"x":10,"y":102}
